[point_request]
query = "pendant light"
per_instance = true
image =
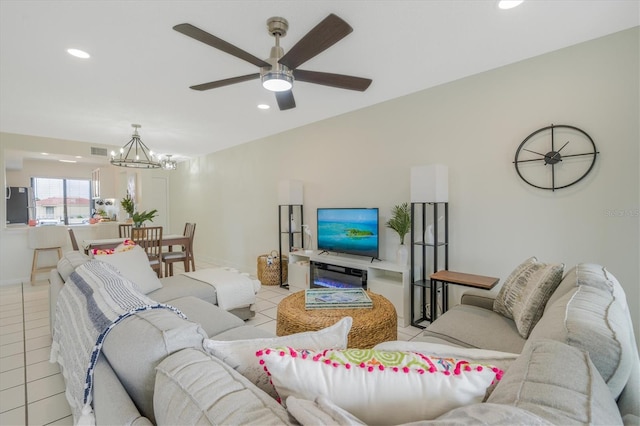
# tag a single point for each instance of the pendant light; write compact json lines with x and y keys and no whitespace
{"x":135,"y":154}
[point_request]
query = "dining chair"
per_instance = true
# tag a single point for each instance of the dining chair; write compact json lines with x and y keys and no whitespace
{"x":74,"y":242}
{"x":185,"y":256}
{"x":124,"y":230}
{"x":150,"y":239}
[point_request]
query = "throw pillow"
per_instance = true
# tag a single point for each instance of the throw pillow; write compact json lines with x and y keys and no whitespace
{"x":132,"y":262}
{"x":241,"y":354}
{"x":320,"y":412}
{"x":126,"y":245}
{"x":526,"y":291}
{"x":378,"y":387}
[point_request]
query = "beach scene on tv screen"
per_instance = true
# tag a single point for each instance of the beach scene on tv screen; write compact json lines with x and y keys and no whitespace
{"x":352,"y":231}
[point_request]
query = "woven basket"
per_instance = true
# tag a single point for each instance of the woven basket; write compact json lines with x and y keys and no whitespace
{"x":269,"y":268}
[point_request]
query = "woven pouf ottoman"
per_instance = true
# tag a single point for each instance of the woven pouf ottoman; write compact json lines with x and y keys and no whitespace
{"x":370,"y":325}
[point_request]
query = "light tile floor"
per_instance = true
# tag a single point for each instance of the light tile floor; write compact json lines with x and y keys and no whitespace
{"x":31,"y":388}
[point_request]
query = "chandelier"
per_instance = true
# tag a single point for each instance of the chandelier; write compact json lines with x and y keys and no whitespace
{"x":168,"y":163}
{"x":135,"y":154}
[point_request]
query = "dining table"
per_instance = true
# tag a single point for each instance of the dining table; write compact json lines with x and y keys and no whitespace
{"x":168,"y":240}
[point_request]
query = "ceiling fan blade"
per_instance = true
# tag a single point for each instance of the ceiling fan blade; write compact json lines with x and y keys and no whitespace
{"x":218,"y":43}
{"x":334,"y":80}
{"x":324,"y":35}
{"x":285,"y":100}
{"x":225,"y":82}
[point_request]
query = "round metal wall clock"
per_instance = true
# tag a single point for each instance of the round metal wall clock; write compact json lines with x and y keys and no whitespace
{"x":555,"y":157}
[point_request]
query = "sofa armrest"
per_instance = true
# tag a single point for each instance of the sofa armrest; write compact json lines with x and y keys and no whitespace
{"x":111,"y":403}
{"x":479,"y":298}
{"x":55,"y":285}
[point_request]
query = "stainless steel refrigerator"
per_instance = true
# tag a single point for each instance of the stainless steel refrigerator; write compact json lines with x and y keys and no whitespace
{"x":19,"y":203}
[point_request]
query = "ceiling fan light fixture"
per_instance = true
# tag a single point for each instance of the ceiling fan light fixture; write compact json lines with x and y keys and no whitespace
{"x":277,"y":81}
{"x":135,"y":154}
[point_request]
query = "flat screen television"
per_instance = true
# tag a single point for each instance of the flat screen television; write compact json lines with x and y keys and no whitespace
{"x":349,"y":230}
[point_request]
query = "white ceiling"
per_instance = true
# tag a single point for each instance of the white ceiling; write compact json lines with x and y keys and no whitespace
{"x":141,"y":69}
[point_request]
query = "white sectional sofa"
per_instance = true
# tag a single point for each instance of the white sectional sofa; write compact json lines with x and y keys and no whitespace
{"x":579,"y":364}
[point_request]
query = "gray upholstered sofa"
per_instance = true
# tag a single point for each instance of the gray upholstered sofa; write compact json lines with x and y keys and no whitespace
{"x":579,"y":365}
{"x":588,"y":311}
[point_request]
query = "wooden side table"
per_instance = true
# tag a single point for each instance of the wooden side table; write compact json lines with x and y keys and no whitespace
{"x":458,"y":278}
{"x":370,"y":325}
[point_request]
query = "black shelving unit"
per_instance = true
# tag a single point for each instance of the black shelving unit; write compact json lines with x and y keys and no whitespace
{"x":426,"y":255}
{"x":292,"y":237}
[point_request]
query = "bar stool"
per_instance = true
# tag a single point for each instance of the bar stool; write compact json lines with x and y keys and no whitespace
{"x":42,"y":239}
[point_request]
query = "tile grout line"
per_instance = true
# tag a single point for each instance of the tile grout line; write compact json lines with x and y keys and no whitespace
{"x":24,"y":356}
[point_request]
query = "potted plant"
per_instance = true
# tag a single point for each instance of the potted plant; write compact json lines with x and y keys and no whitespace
{"x":401,"y":223}
{"x":127,"y":205}
{"x":140,"y":218}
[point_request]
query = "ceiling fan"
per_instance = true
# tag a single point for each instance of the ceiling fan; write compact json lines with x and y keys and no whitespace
{"x":280,"y":70}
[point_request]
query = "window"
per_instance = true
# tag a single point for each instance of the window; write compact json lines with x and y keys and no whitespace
{"x":62,"y":201}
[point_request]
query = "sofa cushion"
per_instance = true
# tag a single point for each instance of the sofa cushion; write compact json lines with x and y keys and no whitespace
{"x":192,"y":387}
{"x":324,"y":412}
{"x":558,"y":383}
{"x":133,"y":264}
{"x":141,"y":342}
{"x":320,"y":412}
{"x":213,"y":319}
{"x":526,"y":291}
{"x":473,"y":327}
{"x":241,"y":354}
{"x":180,"y":285}
{"x":594,"y":317}
{"x":69,"y":262}
{"x":379,"y":387}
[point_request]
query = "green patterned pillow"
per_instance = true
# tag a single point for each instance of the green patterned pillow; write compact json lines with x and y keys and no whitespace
{"x":526,"y":291}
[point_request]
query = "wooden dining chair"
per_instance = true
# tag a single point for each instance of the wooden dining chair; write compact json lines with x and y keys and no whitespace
{"x":150,"y":239}
{"x":185,"y":255}
{"x":74,"y":242}
{"x":124,"y":230}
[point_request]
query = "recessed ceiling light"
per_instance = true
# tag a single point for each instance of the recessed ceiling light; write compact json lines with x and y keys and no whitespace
{"x":509,"y":4}
{"x":78,"y":53}
{"x":67,"y":161}
{"x":78,"y":156}
{"x":263,"y":106}
{"x":44,"y":153}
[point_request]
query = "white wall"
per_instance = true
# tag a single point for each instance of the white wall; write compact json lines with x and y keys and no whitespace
{"x":474,"y":126}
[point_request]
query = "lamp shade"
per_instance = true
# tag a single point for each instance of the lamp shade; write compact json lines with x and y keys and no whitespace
{"x":430,"y":184}
{"x":290,"y":192}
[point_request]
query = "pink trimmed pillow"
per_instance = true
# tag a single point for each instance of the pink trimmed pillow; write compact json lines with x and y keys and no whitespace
{"x":126,"y":245}
{"x":378,"y":387}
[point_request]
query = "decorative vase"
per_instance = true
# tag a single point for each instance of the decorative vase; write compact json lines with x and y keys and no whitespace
{"x":430,"y":234}
{"x":402,"y":255}
{"x":292,"y":227}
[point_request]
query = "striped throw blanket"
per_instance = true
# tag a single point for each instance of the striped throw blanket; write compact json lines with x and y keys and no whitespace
{"x":94,"y":299}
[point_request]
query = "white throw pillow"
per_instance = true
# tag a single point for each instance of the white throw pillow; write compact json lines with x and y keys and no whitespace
{"x":241,"y":354}
{"x":379,"y":387}
{"x":133,"y":264}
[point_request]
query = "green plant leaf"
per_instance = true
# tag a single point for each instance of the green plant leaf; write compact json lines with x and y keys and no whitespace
{"x":400,"y":220}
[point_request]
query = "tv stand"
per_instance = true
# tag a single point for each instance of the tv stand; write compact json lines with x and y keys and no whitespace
{"x":328,"y":253}
{"x":383,"y":277}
